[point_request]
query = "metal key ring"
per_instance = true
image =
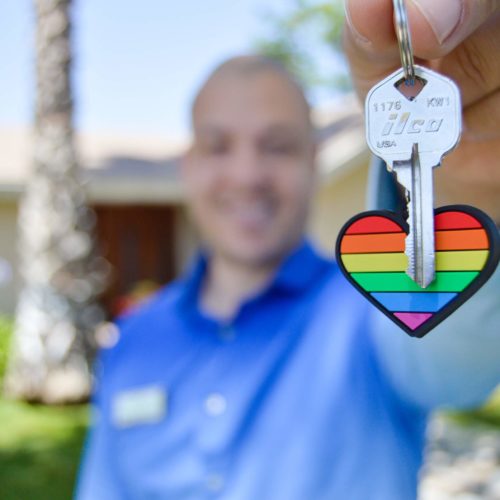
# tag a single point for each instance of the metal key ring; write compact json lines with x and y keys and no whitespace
{"x":404,"y":40}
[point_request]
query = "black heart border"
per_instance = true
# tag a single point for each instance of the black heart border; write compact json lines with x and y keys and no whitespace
{"x":491,"y":264}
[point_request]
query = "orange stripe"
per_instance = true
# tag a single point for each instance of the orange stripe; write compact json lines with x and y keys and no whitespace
{"x":373,"y":243}
{"x":468,"y":239}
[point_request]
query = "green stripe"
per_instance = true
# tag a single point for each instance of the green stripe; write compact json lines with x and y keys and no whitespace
{"x":401,"y":282}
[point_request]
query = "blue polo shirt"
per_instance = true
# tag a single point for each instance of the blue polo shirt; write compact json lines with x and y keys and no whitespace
{"x":309,"y":393}
{"x":286,"y":402}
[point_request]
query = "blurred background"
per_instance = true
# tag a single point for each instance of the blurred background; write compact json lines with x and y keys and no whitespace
{"x":94,"y":116}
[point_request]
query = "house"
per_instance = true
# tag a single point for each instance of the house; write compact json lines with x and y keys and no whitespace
{"x":134,"y":187}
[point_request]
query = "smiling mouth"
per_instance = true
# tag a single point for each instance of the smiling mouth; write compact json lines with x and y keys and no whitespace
{"x":255,"y":214}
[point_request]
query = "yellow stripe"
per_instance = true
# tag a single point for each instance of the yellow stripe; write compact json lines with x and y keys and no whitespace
{"x":466,"y":260}
{"x":463,"y":260}
{"x":374,"y":262}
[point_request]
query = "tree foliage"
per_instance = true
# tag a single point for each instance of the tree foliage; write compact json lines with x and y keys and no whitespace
{"x":304,"y":37}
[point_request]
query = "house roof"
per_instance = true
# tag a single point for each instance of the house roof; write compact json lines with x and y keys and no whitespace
{"x":120,"y":168}
{"x":116,"y":168}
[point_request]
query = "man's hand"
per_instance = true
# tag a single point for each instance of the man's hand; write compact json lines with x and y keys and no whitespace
{"x":460,"y":39}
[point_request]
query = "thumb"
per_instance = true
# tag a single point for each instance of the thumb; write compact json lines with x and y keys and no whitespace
{"x":451,"y":21}
{"x":436,"y":26}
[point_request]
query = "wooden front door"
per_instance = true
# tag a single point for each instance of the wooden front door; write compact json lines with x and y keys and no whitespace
{"x":139,"y":243}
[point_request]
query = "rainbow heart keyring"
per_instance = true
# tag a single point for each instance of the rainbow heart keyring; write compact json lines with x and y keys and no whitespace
{"x":370,"y":253}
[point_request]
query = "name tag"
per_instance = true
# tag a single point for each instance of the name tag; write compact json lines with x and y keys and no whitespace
{"x":144,"y":405}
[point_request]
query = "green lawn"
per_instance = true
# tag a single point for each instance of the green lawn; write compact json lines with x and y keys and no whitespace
{"x":39,"y":450}
{"x":40,"y":446}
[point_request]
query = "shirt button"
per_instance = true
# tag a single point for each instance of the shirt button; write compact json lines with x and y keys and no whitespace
{"x":215,"y":404}
{"x":214,"y":483}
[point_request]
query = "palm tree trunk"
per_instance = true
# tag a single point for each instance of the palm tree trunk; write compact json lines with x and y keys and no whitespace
{"x":57,"y":310}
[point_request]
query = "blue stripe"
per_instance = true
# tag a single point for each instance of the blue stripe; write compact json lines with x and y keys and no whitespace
{"x":414,"y":302}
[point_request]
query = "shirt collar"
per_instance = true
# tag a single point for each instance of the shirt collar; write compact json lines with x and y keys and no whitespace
{"x":299,"y":268}
{"x":302,"y":265}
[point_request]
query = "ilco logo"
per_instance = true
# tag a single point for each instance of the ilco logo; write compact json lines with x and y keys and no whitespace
{"x":404,"y":125}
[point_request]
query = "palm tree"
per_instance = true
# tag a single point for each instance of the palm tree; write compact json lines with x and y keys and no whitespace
{"x":57,"y":310}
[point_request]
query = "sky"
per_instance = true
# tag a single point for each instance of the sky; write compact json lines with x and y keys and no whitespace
{"x":137,"y":63}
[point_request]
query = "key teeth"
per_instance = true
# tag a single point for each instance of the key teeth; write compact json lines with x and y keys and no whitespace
{"x":402,"y":181}
{"x":411,"y":270}
{"x":409,"y":252}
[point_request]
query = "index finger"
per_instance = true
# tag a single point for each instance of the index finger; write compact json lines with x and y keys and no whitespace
{"x":437,"y":27}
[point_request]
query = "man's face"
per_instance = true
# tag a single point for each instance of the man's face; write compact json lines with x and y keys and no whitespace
{"x":249,"y":173}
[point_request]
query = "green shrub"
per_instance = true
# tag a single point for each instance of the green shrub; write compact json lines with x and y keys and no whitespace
{"x":6,"y":325}
{"x":489,"y":414}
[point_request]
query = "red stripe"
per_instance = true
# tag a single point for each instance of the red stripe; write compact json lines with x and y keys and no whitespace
{"x":374,"y":224}
{"x":455,"y":220}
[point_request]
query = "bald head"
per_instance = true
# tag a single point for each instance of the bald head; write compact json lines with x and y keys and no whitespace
{"x":250,"y":67}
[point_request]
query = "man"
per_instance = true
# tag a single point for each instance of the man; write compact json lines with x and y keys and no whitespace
{"x":263,"y":374}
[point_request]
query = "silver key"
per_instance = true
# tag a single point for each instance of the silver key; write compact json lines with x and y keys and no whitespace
{"x":412,"y":134}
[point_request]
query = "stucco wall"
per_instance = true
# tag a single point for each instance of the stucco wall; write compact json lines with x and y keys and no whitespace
{"x":334,"y":203}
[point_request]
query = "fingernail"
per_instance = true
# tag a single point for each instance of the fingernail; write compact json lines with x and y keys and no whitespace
{"x":443,"y":17}
{"x":358,"y":36}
